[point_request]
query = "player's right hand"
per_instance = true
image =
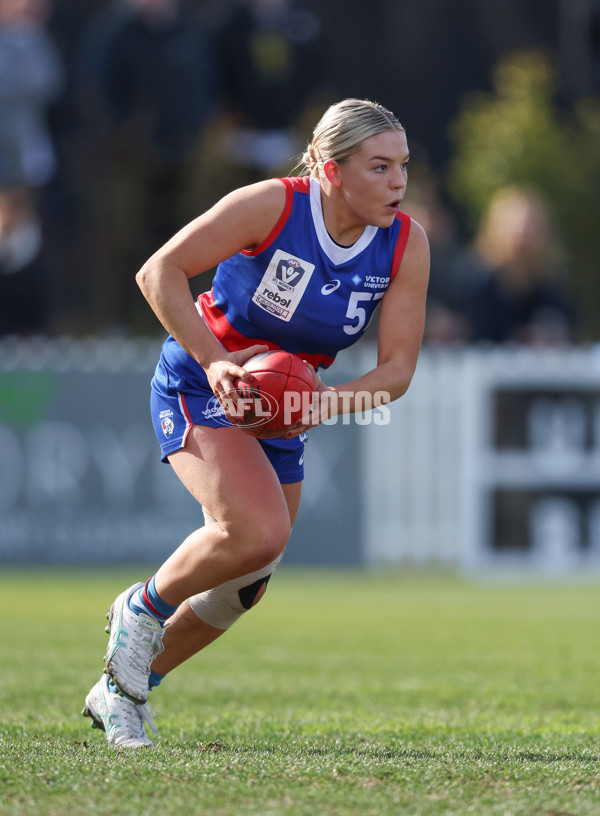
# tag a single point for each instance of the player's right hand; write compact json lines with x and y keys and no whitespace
{"x":223,"y":374}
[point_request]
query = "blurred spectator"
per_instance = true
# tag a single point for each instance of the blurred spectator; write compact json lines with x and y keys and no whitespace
{"x":23,"y":284}
{"x":145,"y":91}
{"x":445,"y":324}
{"x":92,"y":42}
{"x":270,"y":56}
{"x":159,"y":81}
{"x":518,"y":293}
{"x":31,"y":77}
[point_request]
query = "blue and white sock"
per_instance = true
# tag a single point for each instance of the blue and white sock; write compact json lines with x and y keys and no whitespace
{"x":148,"y":601}
{"x":154,"y":679}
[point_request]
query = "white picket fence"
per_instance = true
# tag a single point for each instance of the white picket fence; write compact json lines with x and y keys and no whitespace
{"x":431,"y":477}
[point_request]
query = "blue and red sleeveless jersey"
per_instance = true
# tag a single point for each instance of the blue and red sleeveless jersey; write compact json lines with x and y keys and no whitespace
{"x":299,"y":290}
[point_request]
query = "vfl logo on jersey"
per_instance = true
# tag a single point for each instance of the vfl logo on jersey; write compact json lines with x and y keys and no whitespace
{"x":289,"y":274}
{"x":283,"y":285}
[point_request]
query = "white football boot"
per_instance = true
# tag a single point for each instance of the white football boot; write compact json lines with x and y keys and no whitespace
{"x":135,"y":640}
{"x":123,"y":721}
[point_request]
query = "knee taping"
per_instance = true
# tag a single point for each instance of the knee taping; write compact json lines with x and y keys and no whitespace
{"x":208,"y":519}
{"x":222,"y":606}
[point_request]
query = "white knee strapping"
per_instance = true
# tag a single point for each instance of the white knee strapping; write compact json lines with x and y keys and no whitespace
{"x":221,"y":607}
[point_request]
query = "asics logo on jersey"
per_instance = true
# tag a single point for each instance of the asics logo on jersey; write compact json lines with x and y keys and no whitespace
{"x":330,"y":287}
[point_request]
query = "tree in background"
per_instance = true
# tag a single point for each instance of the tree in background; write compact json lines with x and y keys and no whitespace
{"x":517,"y":134}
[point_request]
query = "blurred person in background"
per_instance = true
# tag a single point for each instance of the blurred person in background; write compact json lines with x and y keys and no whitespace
{"x":159,"y":89}
{"x":271,"y":61}
{"x":23,"y":279}
{"x":517,"y":291}
{"x":144,"y":92}
{"x":445,"y":323}
{"x":31,"y":78}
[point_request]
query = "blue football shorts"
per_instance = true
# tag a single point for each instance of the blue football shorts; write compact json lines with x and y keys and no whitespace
{"x":175,"y":409}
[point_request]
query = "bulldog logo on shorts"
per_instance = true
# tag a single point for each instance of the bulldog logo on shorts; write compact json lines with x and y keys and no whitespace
{"x":166,"y":422}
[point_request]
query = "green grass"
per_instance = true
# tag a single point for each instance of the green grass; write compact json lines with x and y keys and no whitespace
{"x":343,"y":694}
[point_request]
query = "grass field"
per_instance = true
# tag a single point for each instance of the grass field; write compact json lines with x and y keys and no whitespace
{"x":343,"y":694}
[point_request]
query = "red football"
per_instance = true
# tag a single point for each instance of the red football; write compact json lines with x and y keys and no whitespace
{"x":279,"y":395}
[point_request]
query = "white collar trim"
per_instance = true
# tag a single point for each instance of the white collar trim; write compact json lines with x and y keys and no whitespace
{"x":337,"y":254}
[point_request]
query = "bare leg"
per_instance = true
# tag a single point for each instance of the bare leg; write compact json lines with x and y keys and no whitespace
{"x":185,"y":633}
{"x":229,"y":474}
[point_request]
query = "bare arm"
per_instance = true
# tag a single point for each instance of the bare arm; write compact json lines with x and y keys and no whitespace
{"x":401,"y":326}
{"x":241,"y":220}
{"x":401,"y":322}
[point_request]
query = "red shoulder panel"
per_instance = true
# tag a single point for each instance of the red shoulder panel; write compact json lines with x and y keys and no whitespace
{"x":300,"y":184}
{"x":233,"y":340}
{"x":400,"y":243}
{"x":290,"y":186}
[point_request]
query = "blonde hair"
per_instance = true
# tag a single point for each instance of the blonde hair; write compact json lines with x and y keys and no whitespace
{"x":342,"y":129}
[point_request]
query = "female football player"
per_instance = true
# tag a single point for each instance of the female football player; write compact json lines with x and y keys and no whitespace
{"x":302,"y":263}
